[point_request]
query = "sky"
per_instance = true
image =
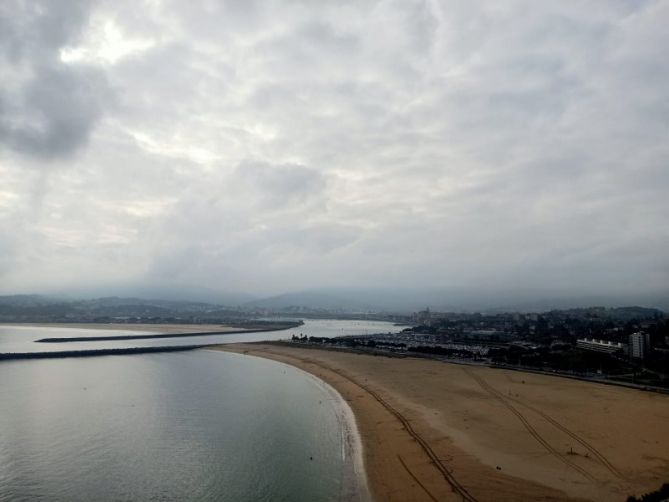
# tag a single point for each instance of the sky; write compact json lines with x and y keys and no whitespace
{"x":270,"y":146}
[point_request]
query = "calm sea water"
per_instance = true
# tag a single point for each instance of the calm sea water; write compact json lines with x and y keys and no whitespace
{"x":200,"y":425}
{"x":22,"y":338}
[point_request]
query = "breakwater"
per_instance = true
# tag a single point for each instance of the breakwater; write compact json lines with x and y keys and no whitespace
{"x":95,"y":352}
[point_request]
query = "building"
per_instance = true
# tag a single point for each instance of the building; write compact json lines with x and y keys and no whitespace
{"x":605,"y":346}
{"x":424,"y":317}
{"x":639,"y":344}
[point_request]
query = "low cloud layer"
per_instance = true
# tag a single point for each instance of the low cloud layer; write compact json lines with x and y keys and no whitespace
{"x":269,"y":146}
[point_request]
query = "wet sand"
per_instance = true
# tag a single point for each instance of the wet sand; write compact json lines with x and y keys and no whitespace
{"x":437,"y":431}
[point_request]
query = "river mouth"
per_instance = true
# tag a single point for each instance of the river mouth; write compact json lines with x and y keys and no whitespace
{"x":20,"y":339}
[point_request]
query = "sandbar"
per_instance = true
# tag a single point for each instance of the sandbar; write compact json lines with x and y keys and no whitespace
{"x":148,"y":328}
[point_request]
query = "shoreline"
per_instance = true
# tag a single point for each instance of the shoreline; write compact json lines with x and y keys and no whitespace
{"x":397,"y":485}
{"x":435,"y":431}
{"x":355,"y":486}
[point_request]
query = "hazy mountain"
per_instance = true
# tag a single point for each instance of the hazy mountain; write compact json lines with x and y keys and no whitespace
{"x":451,"y":300}
{"x":162,"y":291}
{"x":159,"y":301}
{"x":313,"y":300}
{"x":36,"y":308}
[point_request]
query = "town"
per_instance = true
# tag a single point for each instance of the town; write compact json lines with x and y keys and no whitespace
{"x":626,"y":345}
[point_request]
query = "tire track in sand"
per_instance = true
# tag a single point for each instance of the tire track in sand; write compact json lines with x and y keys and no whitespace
{"x":533,"y":432}
{"x":416,"y":479}
{"x":600,"y":456}
{"x":455,"y":485}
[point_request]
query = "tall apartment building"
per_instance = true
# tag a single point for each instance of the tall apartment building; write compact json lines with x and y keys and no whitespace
{"x":639,"y":344}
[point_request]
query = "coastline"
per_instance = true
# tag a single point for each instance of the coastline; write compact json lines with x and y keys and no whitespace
{"x":435,"y":431}
{"x":354,"y":485}
{"x":386,"y":468}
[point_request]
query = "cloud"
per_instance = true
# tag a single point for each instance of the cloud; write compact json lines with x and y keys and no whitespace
{"x":280,"y":185}
{"x":271,"y":145}
{"x":47,"y":107}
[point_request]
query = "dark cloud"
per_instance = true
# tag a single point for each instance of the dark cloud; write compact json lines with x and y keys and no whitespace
{"x":47,"y":108}
{"x":280,"y":184}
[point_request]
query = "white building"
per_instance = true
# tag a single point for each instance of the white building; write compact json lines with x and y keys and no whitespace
{"x":639,"y":344}
{"x":600,"y":345}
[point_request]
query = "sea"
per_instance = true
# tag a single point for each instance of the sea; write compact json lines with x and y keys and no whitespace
{"x":192,"y":425}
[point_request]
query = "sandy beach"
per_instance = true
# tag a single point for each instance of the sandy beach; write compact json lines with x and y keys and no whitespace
{"x":148,"y":328}
{"x":436,"y":431}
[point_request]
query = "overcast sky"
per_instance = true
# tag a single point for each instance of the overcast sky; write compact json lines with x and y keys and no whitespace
{"x":268,"y":146}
